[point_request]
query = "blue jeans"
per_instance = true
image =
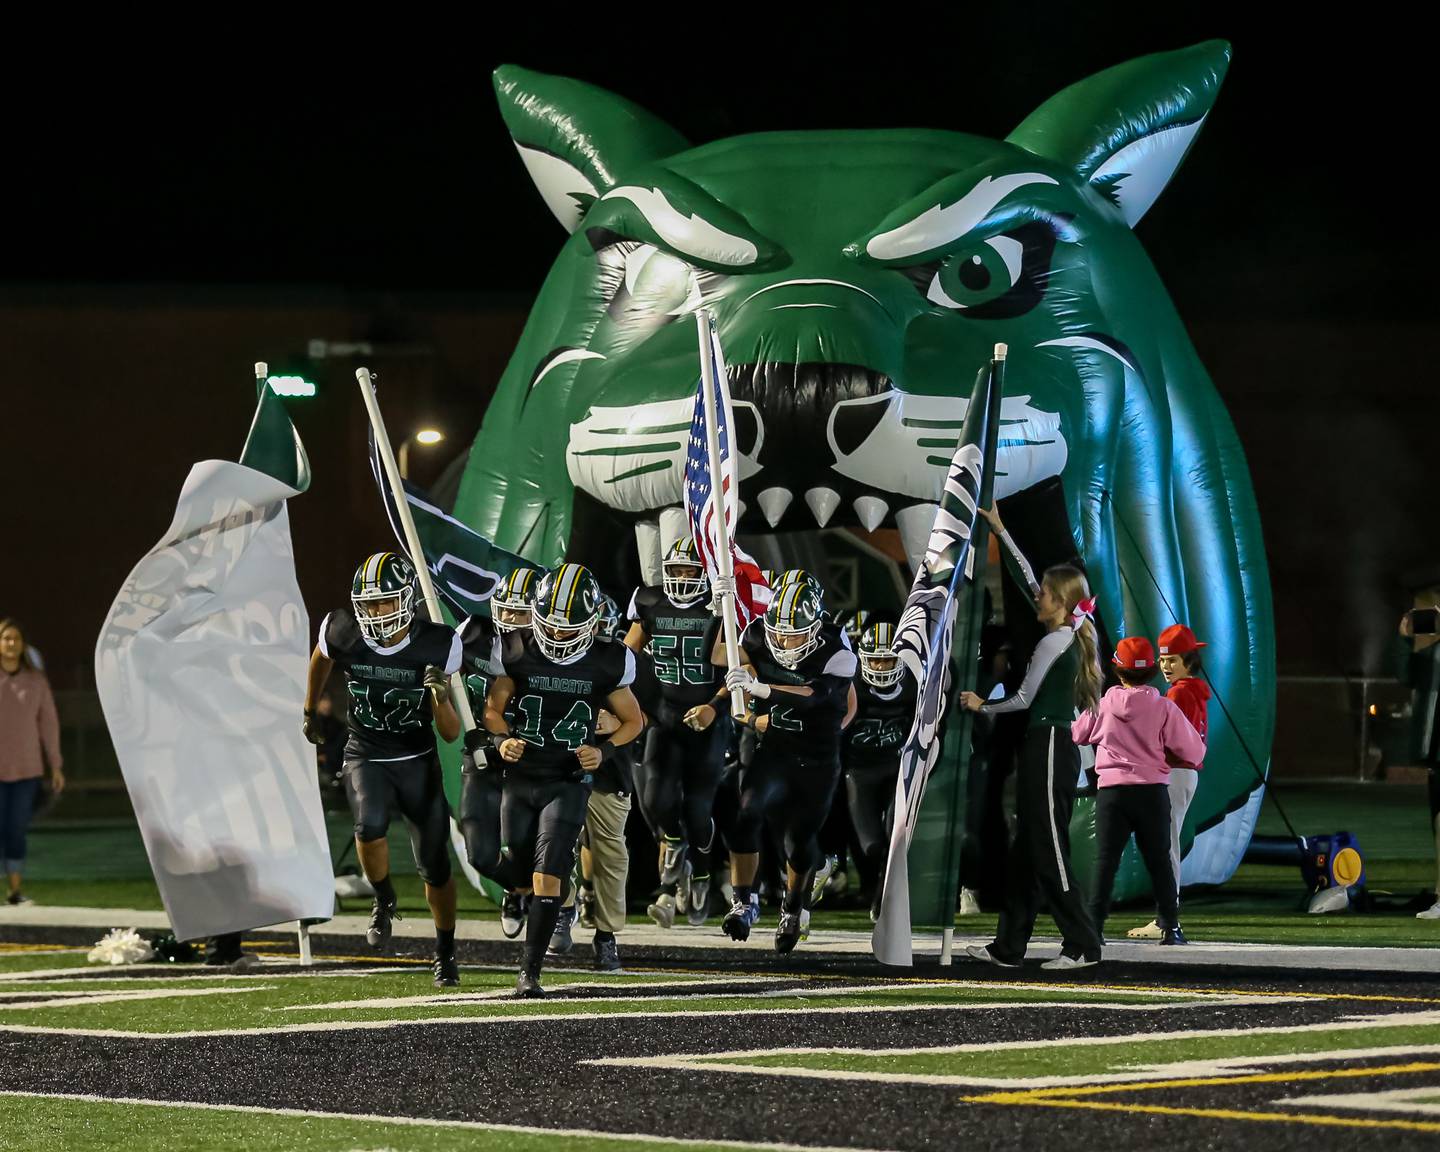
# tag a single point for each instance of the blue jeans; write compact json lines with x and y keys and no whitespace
{"x":17,"y":801}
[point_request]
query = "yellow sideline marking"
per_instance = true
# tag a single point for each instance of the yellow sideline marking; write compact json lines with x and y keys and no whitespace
{"x":1067,"y":1098}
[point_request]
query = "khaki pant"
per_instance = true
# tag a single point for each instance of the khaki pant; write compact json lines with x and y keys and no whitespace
{"x":609,"y":858}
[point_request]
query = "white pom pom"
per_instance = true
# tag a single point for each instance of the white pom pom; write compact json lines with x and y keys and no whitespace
{"x":121,"y":946}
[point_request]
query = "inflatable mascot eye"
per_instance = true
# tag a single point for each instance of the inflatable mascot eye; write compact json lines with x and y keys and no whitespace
{"x":996,"y":279}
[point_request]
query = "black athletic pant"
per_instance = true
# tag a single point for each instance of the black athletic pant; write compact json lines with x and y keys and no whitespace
{"x":1145,"y":810}
{"x":678,"y":778}
{"x":416,"y":789}
{"x":1040,"y":855}
{"x":481,"y":793}
{"x":540,"y":823}
{"x":870,"y":792}
{"x":791,"y":793}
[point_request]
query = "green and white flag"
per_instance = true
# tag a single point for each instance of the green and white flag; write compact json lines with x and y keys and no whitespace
{"x":201,"y":668}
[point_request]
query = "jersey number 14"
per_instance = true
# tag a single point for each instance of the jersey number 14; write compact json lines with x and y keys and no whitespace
{"x":572,"y":731}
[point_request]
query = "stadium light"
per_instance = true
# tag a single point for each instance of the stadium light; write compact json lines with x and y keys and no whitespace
{"x":425,"y":437}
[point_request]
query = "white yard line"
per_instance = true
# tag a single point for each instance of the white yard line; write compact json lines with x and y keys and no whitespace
{"x":86,"y":999}
{"x":532,"y":1017}
{"x":590,"y":1134}
{"x":1410,"y":1100}
{"x":708,"y":1061}
{"x":679,"y":986}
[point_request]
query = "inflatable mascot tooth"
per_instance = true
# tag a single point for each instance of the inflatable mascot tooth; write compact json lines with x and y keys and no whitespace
{"x":858,"y":280}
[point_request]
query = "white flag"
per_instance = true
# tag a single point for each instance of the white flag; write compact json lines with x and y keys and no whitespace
{"x":201,"y":668}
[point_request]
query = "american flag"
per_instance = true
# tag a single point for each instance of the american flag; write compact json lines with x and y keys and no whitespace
{"x":752,"y":594}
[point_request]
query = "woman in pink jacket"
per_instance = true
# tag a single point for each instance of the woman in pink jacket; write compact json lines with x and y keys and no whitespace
{"x":28,"y":728}
{"x":1139,"y":734}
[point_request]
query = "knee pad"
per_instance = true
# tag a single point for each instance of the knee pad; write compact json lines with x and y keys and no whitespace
{"x":367,"y":831}
{"x":436,"y":871}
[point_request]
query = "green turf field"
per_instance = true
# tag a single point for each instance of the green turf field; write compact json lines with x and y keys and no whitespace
{"x":103,"y":865}
{"x":47,"y":1125}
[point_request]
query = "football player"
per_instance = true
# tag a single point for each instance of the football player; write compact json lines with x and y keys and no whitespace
{"x":872,"y":747}
{"x":799,"y":686}
{"x":396,"y":669}
{"x":556,"y":679}
{"x":480,"y":778}
{"x":604,"y":857}
{"x":685,"y":745}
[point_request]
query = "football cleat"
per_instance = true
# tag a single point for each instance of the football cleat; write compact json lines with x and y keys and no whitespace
{"x":512,"y":914}
{"x":607,"y":955}
{"x":663,"y":910}
{"x":787,"y":932}
{"x":699,"y":904}
{"x":560,"y":940}
{"x":383,"y":596}
{"x":585,"y":905}
{"x":1173,"y":936}
{"x":527,"y":986}
{"x":447,"y":972}
{"x":738,"y":920}
{"x":672,"y":861}
{"x":378,"y":933}
{"x":822,"y":874}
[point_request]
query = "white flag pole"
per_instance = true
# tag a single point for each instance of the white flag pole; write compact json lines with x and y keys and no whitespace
{"x":708,"y":369}
{"x":458,"y":696}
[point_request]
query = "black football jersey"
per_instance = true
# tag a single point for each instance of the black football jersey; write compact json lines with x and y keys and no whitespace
{"x":481,"y":645}
{"x":390,"y":712}
{"x":882,"y":722}
{"x":681,"y":640}
{"x":555,"y":706}
{"x":800,"y":726}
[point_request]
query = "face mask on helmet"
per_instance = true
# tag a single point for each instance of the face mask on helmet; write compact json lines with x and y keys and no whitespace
{"x":609,"y":628}
{"x":682,"y":575}
{"x":879,"y":665}
{"x":510,"y":609}
{"x":383,"y":597}
{"x":792,"y":625}
{"x":566,"y":612}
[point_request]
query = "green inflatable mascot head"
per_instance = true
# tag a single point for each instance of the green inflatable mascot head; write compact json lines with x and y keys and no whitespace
{"x":858,"y":280}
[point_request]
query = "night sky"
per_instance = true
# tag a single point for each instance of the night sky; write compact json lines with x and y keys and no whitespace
{"x":376,"y":158}
{"x":369,"y":159}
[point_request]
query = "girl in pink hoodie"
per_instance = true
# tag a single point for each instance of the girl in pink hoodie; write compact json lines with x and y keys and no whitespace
{"x":1139,"y":734}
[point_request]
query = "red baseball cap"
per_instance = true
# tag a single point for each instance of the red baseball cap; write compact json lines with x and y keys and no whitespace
{"x":1178,"y":640}
{"x":1133,"y":653}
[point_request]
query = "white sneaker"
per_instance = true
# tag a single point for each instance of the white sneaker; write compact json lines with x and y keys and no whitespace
{"x":1063,"y":963}
{"x":1431,"y":913}
{"x":982,"y":953}
{"x":1151,"y":931}
{"x":969,"y":902}
{"x":663,"y":910}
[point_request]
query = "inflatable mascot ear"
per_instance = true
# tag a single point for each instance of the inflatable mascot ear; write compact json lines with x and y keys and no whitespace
{"x":580,"y":142}
{"x":1126,"y":130}
{"x":576,"y":139}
